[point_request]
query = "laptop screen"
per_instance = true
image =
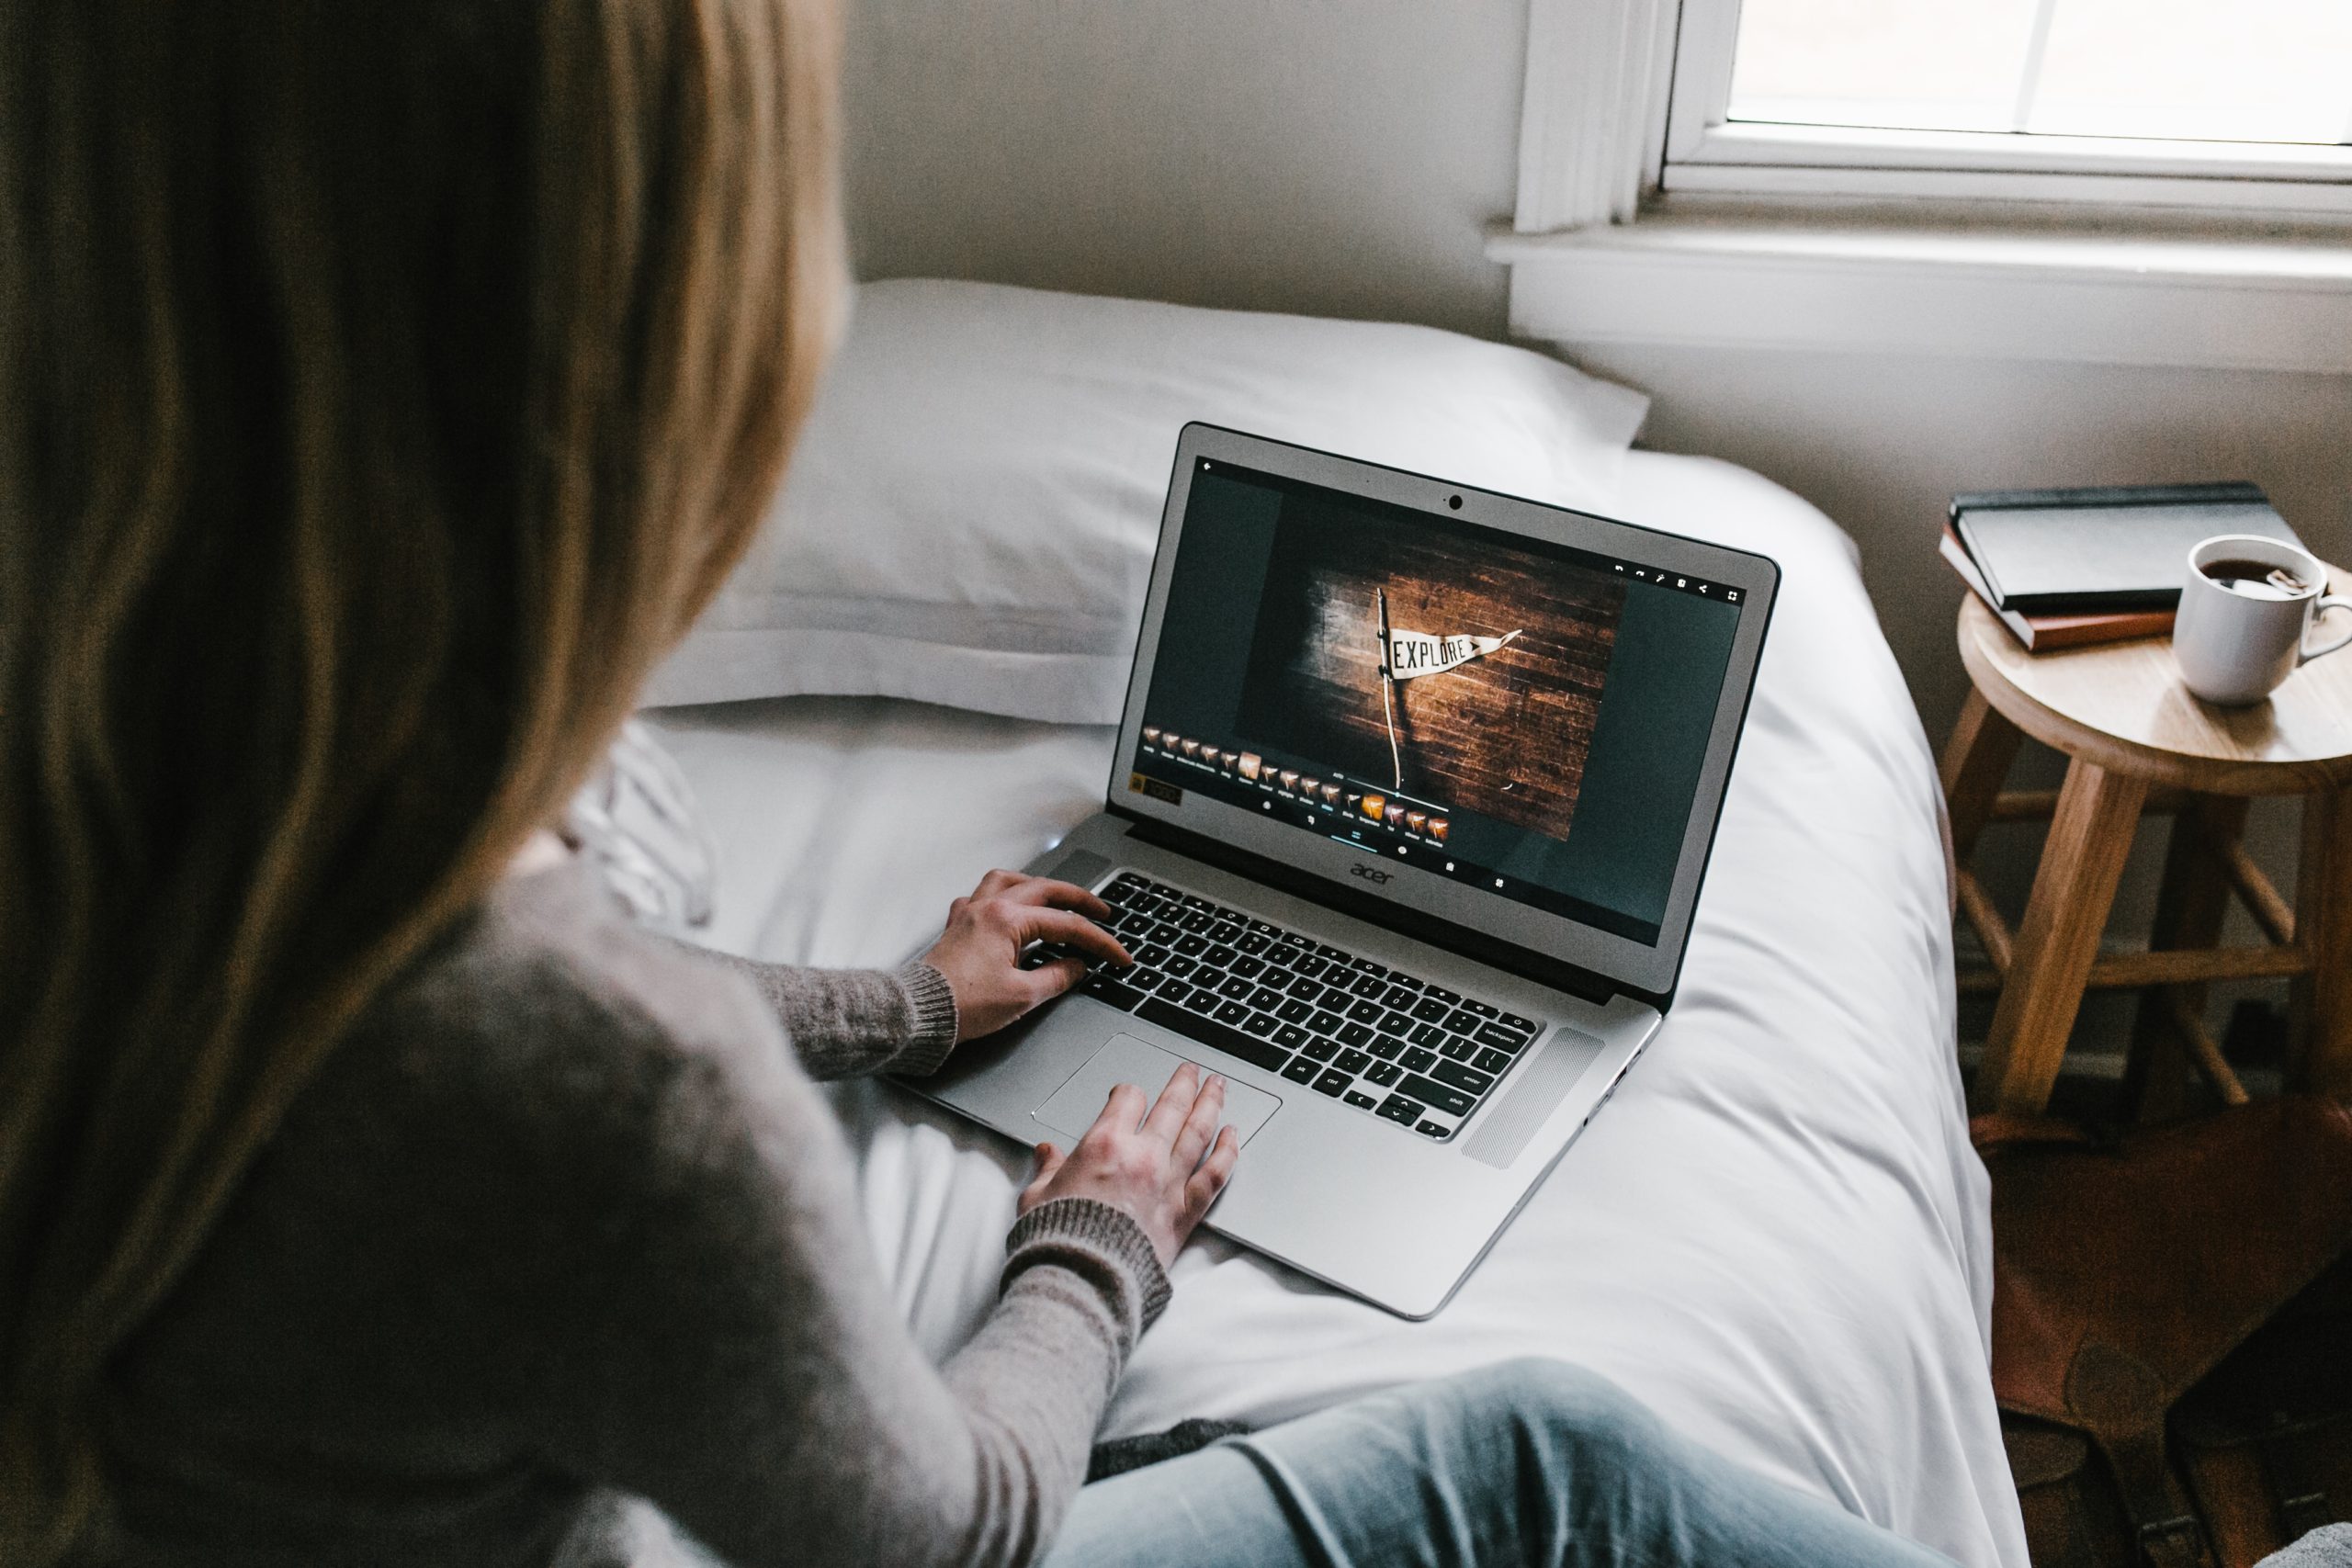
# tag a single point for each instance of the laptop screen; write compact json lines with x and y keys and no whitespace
{"x":1510,"y":713}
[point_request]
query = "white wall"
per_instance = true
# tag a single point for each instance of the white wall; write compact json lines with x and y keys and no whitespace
{"x":1341,"y":157}
{"x":1336,"y":157}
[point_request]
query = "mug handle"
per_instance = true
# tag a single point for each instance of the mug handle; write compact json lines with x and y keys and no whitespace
{"x":2332,"y":602}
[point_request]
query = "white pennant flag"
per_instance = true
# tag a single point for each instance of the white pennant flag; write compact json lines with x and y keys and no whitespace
{"x":1413,"y":654}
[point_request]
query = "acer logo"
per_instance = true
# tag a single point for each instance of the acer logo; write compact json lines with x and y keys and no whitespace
{"x":1369,"y":872}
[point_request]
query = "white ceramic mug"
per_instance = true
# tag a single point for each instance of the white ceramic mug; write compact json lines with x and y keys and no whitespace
{"x":2235,"y":644}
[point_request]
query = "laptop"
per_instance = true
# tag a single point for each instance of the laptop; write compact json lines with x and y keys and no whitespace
{"x":1412,"y":803}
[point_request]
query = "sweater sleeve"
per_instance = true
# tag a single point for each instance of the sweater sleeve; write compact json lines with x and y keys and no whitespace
{"x":853,"y":1023}
{"x":754,"y":1378}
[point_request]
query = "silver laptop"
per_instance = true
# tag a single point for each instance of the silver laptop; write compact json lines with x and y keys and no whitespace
{"x":1412,"y":800}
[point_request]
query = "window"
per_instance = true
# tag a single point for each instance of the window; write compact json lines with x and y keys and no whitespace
{"x":2201,"y":104}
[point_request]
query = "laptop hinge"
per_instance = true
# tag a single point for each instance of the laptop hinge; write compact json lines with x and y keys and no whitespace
{"x":1475,"y":945}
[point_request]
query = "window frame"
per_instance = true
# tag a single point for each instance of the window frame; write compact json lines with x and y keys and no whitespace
{"x":2210,"y":266}
{"x":1704,"y":153}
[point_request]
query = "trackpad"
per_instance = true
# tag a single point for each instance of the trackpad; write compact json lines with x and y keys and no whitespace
{"x":1072,"y":1108}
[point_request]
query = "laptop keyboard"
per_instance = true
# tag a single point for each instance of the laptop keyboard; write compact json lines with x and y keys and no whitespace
{"x":1385,"y":1043}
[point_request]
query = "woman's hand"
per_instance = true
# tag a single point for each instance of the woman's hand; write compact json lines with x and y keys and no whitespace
{"x":1153,"y":1171}
{"x":979,"y":952}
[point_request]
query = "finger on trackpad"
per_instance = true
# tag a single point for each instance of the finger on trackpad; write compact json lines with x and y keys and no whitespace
{"x":1071,"y":1108}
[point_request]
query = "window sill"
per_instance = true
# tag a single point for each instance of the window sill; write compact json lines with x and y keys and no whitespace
{"x":2015,"y":289}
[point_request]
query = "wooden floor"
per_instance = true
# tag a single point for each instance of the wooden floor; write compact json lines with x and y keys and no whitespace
{"x":1505,"y":735}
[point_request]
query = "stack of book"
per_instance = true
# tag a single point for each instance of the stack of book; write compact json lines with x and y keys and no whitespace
{"x":2062,"y":568}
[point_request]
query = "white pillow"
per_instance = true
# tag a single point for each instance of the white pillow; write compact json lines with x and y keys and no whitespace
{"x":971,"y":510}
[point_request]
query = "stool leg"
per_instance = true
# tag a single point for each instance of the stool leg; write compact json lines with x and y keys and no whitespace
{"x":2190,"y":903}
{"x":1976,"y":761}
{"x":2090,"y":837}
{"x":2320,"y":1006}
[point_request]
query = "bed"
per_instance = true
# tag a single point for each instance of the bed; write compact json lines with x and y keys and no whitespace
{"x":1777,"y":1234}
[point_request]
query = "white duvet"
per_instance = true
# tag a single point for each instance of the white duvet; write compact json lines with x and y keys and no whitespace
{"x":1775,"y":1233}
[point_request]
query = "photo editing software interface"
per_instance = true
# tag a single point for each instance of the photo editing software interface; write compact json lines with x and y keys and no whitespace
{"x":1519,"y":716}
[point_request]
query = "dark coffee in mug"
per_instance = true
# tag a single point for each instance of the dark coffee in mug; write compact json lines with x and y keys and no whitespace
{"x":2255,"y":579}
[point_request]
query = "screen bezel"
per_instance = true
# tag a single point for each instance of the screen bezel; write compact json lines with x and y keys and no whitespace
{"x":1648,"y":969}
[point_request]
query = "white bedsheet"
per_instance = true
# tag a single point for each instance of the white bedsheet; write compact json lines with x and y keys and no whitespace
{"x":1776,"y":1233}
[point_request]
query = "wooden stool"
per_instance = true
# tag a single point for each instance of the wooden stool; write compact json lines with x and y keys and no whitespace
{"x":2138,"y":741}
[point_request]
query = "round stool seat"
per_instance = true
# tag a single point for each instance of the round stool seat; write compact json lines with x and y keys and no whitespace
{"x":2122,"y":706}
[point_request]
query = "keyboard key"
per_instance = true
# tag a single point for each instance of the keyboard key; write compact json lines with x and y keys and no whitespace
{"x":1430,"y":1011}
{"x":1458,"y":1050}
{"x":1429,"y":1037}
{"x":1306,"y":990}
{"x":1361,"y":1102}
{"x":1336,"y":954}
{"x":1490,"y":1060}
{"x":1366,"y":1013}
{"x":1461,"y":1021}
{"x":1302,"y":1069}
{"x":1176,"y":990}
{"x":1219,"y":954}
{"x":1203,"y":1001}
{"x":1396,"y":1108}
{"x":1153,"y":953}
{"x":1196,"y":921}
{"x":1512,"y":1020}
{"x":1232,"y":1041}
{"x":1225,"y":930}
{"x":1398,"y":977}
{"x":1167,"y":931}
{"x":1397,"y":997}
{"x":1353,"y":1062}
{"x":1144,"y":979}
{"x":1232,"y":1013}
{"x":1467,"y":1078}
{"x":1483,"y":1009}
{"x":1180,"y":966}
{"x":1368,"y":966}
{"x":1103,"y":989}
{"x":1384,"y":1073}
{"x":1290,"y":1036}
{"x":1258,"y":1023}
{"x":1191,"y":946}
{"x":1310,"y":966}
{"x":1502,"y":1039}
{"x":1450,"y":1101}
{"x":1325,"y":1022}
{"x":1261,"y":928}
{"x":1246,"y":967}
{"x":1396,"y":1023}
{"x":1235,"y":988}
{"x":1264,"y":1000}
{"x":1356,"y":1034}
{"x":1254,"y":943}
{"x":1332,"y":1082}
{"x":1368,"y":986}
{"x":1321,"y":1049}
{"x":1385,"y":1047}
{"x":1441,"y":994}
{"x":1433,"y":1129}
{"x":1294,"y":1012}
{"x":1418,"y":1060}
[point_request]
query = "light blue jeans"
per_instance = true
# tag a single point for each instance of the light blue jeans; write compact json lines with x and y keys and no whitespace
{"x":1531,"y":1463}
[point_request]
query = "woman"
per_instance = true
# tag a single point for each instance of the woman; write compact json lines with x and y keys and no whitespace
{"x":385,"y":386}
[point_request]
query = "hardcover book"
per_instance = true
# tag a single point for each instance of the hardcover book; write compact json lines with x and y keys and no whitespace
{"x":2100,"y":550}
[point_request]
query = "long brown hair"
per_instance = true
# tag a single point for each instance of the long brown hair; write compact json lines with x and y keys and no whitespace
{"x":384,"y":384}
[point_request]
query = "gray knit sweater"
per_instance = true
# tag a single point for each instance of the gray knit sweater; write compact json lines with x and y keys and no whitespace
{"x":565,"y":1223}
